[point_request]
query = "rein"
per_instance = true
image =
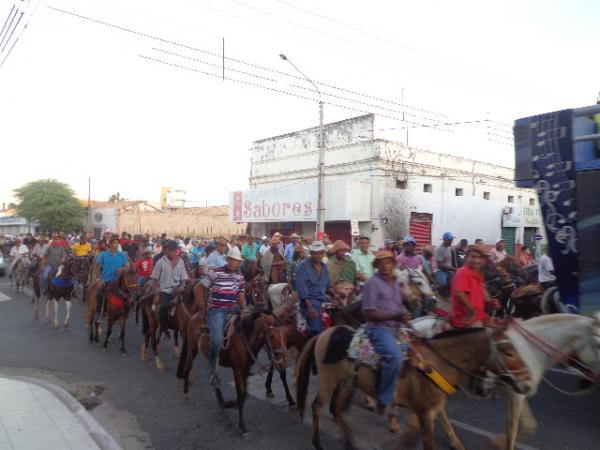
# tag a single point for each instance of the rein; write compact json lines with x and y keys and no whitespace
{"x":548,"y":350}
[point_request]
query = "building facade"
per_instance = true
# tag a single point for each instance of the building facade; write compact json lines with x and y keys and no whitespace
{"x":382,"y":189}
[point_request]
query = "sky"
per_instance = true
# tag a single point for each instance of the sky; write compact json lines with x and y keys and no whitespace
{"x":130,"y":93}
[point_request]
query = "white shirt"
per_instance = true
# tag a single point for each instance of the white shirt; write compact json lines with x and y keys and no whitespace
{"x":544,"y":269}
{"x":264,"y":249}
{"x":22,"y":250}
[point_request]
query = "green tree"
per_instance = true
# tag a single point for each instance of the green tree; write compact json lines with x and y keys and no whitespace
{"x":52,"y":203}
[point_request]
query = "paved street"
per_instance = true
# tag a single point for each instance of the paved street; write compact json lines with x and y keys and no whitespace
{"x":142,"y":408}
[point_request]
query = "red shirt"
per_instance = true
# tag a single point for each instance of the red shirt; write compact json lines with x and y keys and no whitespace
{"x":144,"y":267}
{"x":471,"y":282}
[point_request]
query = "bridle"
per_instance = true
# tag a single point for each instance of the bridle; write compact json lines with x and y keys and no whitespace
{"x":281,"y":351}
{"x":510,"y":376}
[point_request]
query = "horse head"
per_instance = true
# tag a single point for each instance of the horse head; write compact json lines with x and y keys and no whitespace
{"x":506,"y":361}
{"x":276,"y":340}
{"x":590,"y":354}
{"x":127,"y":281}
{"x":256,"y":293}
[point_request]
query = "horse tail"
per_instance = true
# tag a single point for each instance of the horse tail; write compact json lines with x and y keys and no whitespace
{"x":303,"y":368}
{"x":182,"y":358}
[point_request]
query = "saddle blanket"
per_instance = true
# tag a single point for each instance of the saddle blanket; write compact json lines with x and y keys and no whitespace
{"x":60,"y":282}
{"x":361,"y":349}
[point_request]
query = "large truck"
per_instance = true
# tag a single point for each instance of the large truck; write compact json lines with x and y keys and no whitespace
{"x":558,"y":154}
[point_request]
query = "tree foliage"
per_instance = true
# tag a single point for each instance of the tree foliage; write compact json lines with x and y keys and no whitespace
{"x":52,"y":203}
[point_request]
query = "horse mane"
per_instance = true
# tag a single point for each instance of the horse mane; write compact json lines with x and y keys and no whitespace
{"x":248,"y":322}
{"x":457,"y":333}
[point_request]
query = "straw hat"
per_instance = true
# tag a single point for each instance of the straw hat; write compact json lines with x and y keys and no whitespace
{"x":234,"y":253}
{"x":339,"y":245}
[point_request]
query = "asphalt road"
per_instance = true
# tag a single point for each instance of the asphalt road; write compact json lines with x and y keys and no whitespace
{"x":143,"y":408}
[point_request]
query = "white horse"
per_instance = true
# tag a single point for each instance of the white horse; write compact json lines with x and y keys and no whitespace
{"x":420,"y":294}
{"x":541,"y":342}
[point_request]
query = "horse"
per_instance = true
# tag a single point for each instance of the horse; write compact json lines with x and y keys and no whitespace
{"x":525,"y":301}
{"x":60,"y":285}
{"x":239,"y":352}
{"x":454,"y":354}
{"x":119,"y":299}
{"x":81,"y":271}
{"x":543,"y":342}
{"x":418,"y":295}
{"x":186,"y":304}
{"x":20,"y":272}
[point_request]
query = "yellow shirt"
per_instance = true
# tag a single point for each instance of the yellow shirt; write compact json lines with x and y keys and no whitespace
{"x":81,"y":249}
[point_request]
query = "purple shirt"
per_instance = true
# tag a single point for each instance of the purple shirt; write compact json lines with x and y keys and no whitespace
{"x":379,"y":295}
{"x":408,"y":262}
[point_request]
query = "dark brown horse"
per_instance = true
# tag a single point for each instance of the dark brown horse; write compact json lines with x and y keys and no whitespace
{"x":455,"y":354}
{"x":182,"y":309}
{"x":60,"y":285}
{"x":81,"y":272}
{"x":119,"y":299}
{"x":239,"y":352}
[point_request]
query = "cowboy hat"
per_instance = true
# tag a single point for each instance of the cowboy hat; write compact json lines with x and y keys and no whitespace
{"x":481,"y":249}
{"x":383,"y":254}
{"x":294,"y":235}
{"x":317,"y":246}
{"x":339,"y":245}
{"x":234,"y":253}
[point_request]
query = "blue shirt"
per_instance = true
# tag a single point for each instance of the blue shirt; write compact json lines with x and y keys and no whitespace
{"x":215,"y":259}
{"x":110,"y":263}
{"x":379,"y":295}
{"x":289,"y":252}
{"x":310,"y":284}
{"x":197,"y":253}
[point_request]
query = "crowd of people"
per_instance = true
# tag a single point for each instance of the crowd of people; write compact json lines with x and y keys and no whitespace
{"x":317,"y":272}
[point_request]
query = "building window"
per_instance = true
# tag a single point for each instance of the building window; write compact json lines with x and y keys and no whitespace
{"x":401,"y":184}
{"x":427,"y":188}
{"x":511,"y":199}
{"x":458,"y":192}
{"x":532,"y":202}
{"x":486,"y":195}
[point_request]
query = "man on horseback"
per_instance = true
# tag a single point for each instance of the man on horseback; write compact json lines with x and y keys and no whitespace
{"x":81,"y":248}
{"x":273,"y":262}
{"x":226,"y":297}
{"x":51,"y":259}
{"x":109,"y":264}
{"x":342,"y":272}
{"x":408,"y":259}
{"x":16,"y":253}
{"x":363,"y":258}
{"x":168,"y":280}
{"x":445,"y":259}
{"x":499,"y":252}
{"x":469,"y":296}
{"x":384,"y":311}
{"x":312,"y":283}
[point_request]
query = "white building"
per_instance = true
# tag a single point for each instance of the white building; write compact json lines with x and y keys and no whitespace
{"x":388,"y":188}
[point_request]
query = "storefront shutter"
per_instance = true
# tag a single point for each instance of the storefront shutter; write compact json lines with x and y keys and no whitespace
{"x":420,"y":229}
{"x":508,"y":234}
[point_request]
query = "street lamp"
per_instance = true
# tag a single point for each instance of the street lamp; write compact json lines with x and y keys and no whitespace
{"x":321,"y":182}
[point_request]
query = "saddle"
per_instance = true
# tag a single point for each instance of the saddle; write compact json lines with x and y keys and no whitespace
{"x":62,"y":283}
{"x":361,"y":350}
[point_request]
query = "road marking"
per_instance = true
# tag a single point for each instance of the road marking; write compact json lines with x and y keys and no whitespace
{"x":4,"y":297}
{"x":487,"y":434}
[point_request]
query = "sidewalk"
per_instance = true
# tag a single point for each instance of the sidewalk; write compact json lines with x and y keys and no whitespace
{"x":35,"y":414}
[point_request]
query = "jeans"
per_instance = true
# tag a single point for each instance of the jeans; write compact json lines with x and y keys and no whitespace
{"x":315,"y":326}
{"x":215,"y":320}
{"x":44,"y":279}
{"x":163,"y":312}
{"x":384,"y":343}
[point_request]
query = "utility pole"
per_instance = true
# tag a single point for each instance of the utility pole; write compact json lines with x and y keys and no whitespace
{"x":321,"y":167}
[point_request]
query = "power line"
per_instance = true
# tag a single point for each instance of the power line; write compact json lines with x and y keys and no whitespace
{"x":189,"y":47}
{"x":20,"y":33}
{"x":411,"y":49}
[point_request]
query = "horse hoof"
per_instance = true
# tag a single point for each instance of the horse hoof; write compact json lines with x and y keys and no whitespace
{"x":394,"y":426}
{"x":246,"y":435}
{"x":497,"y":442}
{"x":123,"y":352}
{"x":187,"y":397}
{"x":270,"y":394}
{"x":143,"y":359}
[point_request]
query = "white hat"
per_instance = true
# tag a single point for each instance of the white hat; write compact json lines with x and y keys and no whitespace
{"x":499,"y":240}
{"x":234,"y":253}
{"x":317,"y":246}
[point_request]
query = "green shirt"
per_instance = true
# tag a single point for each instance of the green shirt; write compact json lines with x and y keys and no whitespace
{"x":364,"y":262}
{"x":344,"y":270}
{"x":249,"y":251}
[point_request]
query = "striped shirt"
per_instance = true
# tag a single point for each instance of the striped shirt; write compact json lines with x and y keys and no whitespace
{"x":224,"y":288}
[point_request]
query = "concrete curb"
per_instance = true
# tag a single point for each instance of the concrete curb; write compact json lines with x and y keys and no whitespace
{"x":104,"y":440}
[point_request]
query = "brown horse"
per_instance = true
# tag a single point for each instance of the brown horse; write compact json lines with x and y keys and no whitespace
{"x":239,"y":352}
{"x":60,"y":285}
{"x":81,"y":272}
{"x":120,"y":295}
{"x":455,"y":354}
{"x":183,"y":308}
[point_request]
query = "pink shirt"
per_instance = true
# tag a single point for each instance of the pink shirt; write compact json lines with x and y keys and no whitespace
{"x":496,"y":256}
{"x":408,"y":262}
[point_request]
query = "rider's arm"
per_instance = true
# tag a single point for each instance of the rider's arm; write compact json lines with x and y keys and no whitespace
{"x":464,"y":302}
{"x":242,"y":302}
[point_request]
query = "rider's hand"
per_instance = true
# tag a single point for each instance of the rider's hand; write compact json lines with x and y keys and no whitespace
{"x":494,"y":304}
{"x":245,"y":313}
{"x":156,"y":300}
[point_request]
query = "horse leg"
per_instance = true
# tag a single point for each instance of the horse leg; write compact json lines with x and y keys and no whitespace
{"x":240,"y":389}
{"x":154,"y":342}
{"x":109,"y":325}
{"x":426,"y":424}
{"x":527,"y":422}
{"x":342,"y":403}
{"x":455,"y":443}
{"x":36,"y":307}
{"x":269,"y":382}
{"x":176,"y":348}
{"x":55,"y":301}
{"x":68,"y":318}
{"x":317,"y":405}
{"x":514,"y":405}
{"x":122,"y":321}
{"x":90,"y":324}
{"x":288,"y":396}
{"x":47,"y":318}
